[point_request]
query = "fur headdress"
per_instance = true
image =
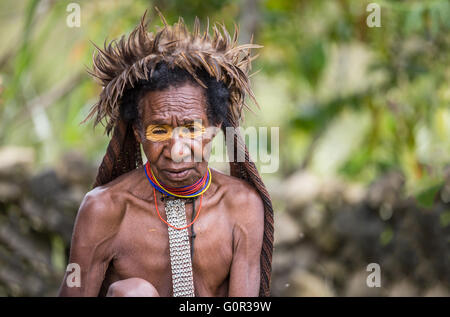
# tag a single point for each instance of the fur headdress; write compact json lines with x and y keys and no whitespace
{"x":121,"y":64}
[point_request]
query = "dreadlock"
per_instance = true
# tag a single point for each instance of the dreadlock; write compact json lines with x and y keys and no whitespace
{"x":144,"y":62}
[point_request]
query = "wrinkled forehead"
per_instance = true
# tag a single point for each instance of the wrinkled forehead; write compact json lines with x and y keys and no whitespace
{"x":174,"y":105}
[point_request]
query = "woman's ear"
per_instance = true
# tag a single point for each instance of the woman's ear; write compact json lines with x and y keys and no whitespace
{"x":137,"y":132}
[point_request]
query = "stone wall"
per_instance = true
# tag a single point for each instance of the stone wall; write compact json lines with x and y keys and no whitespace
{"x":326,"y":232}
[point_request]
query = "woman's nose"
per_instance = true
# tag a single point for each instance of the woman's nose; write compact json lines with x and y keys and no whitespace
{"x":180,"y":150}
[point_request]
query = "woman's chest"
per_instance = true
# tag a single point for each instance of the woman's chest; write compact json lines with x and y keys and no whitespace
{"x":143,"y":250}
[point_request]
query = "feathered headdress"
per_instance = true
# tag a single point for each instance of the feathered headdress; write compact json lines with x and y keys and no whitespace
{"x":121,"y":64}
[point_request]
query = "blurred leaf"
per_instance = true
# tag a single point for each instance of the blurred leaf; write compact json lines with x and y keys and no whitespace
{"x":444,"y":218}
{"x":414,"y":18}
{"x":313,"y":62}
{"x":427,"y":196}
{"x":58,"y":254}
{"x":386,"y":236}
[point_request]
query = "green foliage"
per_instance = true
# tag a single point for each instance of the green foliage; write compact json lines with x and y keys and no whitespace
{"x":329,"y":62}
{"x":445,"y":218}
{"x":386,"y":236}
{"x":428,"y":196}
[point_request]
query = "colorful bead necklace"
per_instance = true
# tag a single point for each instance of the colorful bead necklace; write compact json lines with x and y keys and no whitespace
{"x":189,"y":191}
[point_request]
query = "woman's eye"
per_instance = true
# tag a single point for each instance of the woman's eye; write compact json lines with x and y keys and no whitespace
{"x":195,"y":128}
{"x":157,"y":133}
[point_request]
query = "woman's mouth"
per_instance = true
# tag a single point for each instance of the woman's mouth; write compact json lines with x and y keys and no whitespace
{"x":177,"y":175}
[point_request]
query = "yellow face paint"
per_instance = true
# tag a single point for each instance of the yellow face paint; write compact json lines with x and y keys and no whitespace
{"x":158,"y":132}
{"x":193,"y":130}
{"x":163,"y":132}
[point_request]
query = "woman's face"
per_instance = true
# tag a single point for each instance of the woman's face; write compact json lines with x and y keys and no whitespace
{"x":175,"y":133}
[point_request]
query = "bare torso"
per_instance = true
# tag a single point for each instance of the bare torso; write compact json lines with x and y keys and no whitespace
{"x":142,"y":245}
{"x":133,"y":241}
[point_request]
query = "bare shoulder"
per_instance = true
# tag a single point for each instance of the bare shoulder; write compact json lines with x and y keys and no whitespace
{"x":242,"y":200}
{"x":100,"y":206}
{"x":103,"y":208}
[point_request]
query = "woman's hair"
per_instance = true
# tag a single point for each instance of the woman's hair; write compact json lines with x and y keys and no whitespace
{"x":216,"y":93}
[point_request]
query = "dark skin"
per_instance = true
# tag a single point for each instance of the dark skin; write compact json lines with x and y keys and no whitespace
{"x":121,"y":244}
